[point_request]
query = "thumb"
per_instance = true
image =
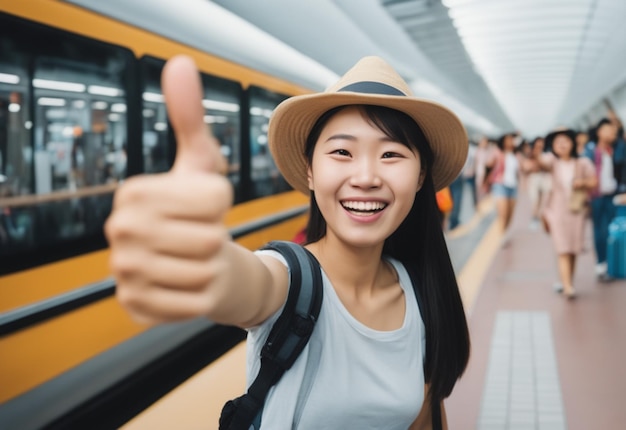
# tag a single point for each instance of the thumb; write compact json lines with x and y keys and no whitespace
{"x":196,"y":148}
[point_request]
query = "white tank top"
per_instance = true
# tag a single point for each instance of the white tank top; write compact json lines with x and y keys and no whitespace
{"x":348,"y":376}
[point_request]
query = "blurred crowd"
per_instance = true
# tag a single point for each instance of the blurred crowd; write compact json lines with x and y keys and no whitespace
{"x":571,"y":177}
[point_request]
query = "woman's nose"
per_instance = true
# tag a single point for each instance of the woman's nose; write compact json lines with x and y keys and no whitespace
{"x":365,"y":174}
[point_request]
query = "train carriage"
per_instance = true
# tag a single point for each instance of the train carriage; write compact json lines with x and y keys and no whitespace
{"x":81,"y":109}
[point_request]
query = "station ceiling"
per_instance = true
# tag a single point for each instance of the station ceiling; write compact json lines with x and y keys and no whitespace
{"x":528,"y":65}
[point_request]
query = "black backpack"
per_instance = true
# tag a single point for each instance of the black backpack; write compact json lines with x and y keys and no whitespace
{"x":289,"y":334}
{"x":288,"y":337}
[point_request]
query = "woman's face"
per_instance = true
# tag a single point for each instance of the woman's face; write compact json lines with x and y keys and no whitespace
{"x":562,"y":146}
{"x":607,"y":132}
{"x":509,"y":143}
{"x":364,"y":182}
{"x":538,"y":147}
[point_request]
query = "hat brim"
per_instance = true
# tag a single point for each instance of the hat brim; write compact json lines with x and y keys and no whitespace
{"x":293,"y":119}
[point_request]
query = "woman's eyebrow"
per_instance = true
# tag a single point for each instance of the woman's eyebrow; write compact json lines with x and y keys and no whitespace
{"x":341,"y":137}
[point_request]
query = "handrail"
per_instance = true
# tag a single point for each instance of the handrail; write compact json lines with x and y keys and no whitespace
{"x":32,"y":199}
{"x":26,"y":316}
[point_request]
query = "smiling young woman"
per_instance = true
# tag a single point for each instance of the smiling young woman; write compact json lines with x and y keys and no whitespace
{"x":371,"y":157}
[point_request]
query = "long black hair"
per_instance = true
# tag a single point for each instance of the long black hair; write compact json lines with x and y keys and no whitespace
{"x":420,"y":245}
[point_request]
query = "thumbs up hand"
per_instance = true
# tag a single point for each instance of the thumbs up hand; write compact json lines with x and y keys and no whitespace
{"x":197,"y":149}
{"x":166,"y":231}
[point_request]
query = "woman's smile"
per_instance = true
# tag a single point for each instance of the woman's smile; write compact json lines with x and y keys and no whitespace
{"x":361,"y":208}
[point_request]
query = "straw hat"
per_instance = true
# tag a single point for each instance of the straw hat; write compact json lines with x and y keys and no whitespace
{"x":370,"y":82}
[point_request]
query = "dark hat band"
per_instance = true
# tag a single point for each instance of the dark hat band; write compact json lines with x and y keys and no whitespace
{"x":372,"y":88}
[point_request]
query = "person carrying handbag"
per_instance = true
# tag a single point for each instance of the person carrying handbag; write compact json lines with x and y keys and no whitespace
{"x":572,"y":179}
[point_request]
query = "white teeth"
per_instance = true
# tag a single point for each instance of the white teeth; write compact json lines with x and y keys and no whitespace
{"x":364,"y":206}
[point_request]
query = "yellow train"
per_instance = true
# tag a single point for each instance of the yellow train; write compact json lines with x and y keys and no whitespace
{"x":80,"y":110}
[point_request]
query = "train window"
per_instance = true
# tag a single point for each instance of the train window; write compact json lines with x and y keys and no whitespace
{"x":80,"y":122}
{"x":158,"y":152}
{"x":71,"y":150}
{"x":266,"y":180}
{"x":222,"y":105}
{"x":16,"y":156}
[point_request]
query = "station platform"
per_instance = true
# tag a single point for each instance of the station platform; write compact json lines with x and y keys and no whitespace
{"x":539,"y":361}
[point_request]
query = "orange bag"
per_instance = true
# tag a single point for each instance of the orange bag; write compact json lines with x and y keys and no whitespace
{"x":444,"y":200}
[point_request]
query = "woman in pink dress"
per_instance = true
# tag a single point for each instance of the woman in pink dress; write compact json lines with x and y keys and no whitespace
{"x":567,"y":227}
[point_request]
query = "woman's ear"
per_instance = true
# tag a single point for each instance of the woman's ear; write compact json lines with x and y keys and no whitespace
{"x":309,"y":177}
{"x":420,"y":180}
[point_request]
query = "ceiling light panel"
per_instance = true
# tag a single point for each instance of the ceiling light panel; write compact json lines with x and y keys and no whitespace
{"x":526,"y":50}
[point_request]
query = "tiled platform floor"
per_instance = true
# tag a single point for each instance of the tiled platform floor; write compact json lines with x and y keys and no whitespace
{"x":538,"y":360}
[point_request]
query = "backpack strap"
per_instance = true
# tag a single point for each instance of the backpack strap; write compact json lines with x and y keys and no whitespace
{"x":289,"y":335}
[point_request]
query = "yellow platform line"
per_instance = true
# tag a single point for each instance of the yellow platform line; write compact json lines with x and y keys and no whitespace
{"x":472,"y":276}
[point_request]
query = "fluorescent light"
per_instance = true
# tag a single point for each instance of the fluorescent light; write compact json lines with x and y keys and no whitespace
{"x":104,"y":91}
{"x":14,"y":107}
{"x":114,"y":117}
{"x":99,"y":105}
{"x":148,"y":113}
{"x":215,"y":119}
{"x":59,"y":85}
{"x":258,"y":111}
{"x":7,"y":78}
{"x":56,"y":127}
{"x":28,"y":125}
{"x":118,"y":107}
{"x":160,"y":126}
{"x":224,"y":106}
{"x":78,"y":104}
{"x":50,"y":101}
{"x":153,"y":97}
{"x":56,"y":114}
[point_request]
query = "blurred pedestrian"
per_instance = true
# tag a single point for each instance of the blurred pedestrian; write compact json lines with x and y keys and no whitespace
{"x":483,"y":151}
{"x":570,"y":174}
{"x":601,"y":153}
{"x":504,"y":180}
{"x":538,"y":182}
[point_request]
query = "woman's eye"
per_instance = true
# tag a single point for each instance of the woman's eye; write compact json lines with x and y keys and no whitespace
{"x":391,"y":155}
{"x":341,"y":152}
